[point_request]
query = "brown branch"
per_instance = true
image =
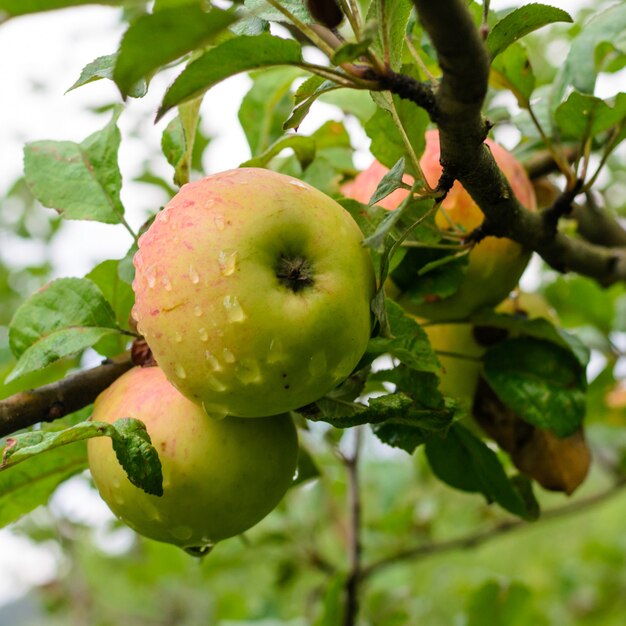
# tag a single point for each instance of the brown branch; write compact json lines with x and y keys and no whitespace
{"x":50,"y":402}
{"x":354,"y":533}
{"x":462,"y":129}
{"x":477,"y":539}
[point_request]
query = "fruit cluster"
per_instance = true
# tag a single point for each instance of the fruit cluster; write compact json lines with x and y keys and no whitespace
{"x":253,"y":293}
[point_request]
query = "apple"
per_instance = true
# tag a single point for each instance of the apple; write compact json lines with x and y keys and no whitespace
{"x":220,"y":477}
{"x":253,"y":291}
{"x":460,"y":355}
{"x":495,"y":264}
{"x":460,"y":346}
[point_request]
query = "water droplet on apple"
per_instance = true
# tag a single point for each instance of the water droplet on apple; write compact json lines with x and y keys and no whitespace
{"x":151,"y":277}
{"x":197,"y":311}
{"x":181,"y":532}
{"x":166,"y":284}
{"x":227,"y":260}
{"x":298,"y":183}
{"x":218,"y":219}
{"x":214,"y":411}
{"x":200,"y":551}
{"x":173,"y":226}
{"x":204,"y":336}
{"x":178,"y":337}
{"x":215,"y":384}
{"x":163,"y":216}
{"x":193,"y":275}
{"x":248,"y":371}
{"x":234,"y":312}
{"x":212,"y":361}
{"x":229,"y":357}
{"x":180,"y":371}
{"x":317,"y":364}
{"x":134,"y":314}
{"x":275,"y":352}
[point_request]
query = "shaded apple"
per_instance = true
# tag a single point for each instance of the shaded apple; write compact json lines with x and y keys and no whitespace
{"x":495,"y":264}
{"x":220,"y":477}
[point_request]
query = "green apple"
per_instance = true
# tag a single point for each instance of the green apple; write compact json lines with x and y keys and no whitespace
{"x":220,"y":477}
{"x":253,"y":291}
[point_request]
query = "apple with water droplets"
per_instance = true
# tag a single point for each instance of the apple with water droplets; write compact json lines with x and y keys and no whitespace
{"x":220,"y":477}
{"x":253,"y":291}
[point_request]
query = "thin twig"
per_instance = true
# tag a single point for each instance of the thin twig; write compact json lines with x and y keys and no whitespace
{"x":477,"y":539}
{"x":354,"y":532}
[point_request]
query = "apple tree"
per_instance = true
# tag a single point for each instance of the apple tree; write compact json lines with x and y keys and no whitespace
{"x":438,"y":405}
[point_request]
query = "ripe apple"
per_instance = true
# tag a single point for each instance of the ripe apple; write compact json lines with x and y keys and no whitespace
{"x":253,"y":291}
{"x":220,"y":477}
{"x":495,"y":264}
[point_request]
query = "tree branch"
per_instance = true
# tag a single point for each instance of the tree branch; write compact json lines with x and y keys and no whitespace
{"x":50,"y":402}
{"x":462,"y":129}
{"x":354,"y":533}
{"x":477,"y":539}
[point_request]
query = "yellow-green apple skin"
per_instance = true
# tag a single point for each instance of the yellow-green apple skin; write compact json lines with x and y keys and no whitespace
{"x":495,"y":264}
{"x":220,"y":477}
{"x":253,"y":292}
{"x":459,"y":351}
{"x":459,"y":354}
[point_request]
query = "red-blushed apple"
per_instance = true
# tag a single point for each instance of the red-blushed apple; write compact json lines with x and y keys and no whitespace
{"x":220,"y":477}
{"x":495,"y":264}
{"x":253,"y":291}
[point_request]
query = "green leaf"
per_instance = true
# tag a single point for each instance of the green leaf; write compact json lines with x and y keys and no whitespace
{"x":303,"y":147}
{"x":539,"y":328}
{"x":157,"y":39}
{"x":178,"y":139}
{"x":391,"y":18}
{"x":23,"y":7}
{"x":582,"y":116}
{"x":580,"y":70}
{"x":391,"y":181}
{"x":116,"y":291}
{"x":520,"y":22}
{"x":512,"y":70}
{"x":129,"y":437}
{"x":308,"y":92}
{"x":581,"y":301}
{"x":263,"y":10}
{"x":56,"y":345}
{"x":31,"y":483}
{"x":81,"y":181}
{"x":120,"y":296}
{"x":409,"y":343}
{"x":102,"y":67}
{"x":266,"y":106}
{"x":241,"y":54}
{"x":543,"y":383}
{"x":464,"y":462}
{"x":63,"y":303}
{"x":387,"y":144}
{"x":66,"y":316}
{"x":502,"y":603}
{"x":350,"y":50}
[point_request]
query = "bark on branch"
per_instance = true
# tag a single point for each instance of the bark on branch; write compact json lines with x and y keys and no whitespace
{"x":456,"y":108}
{"x":50,"y":402}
